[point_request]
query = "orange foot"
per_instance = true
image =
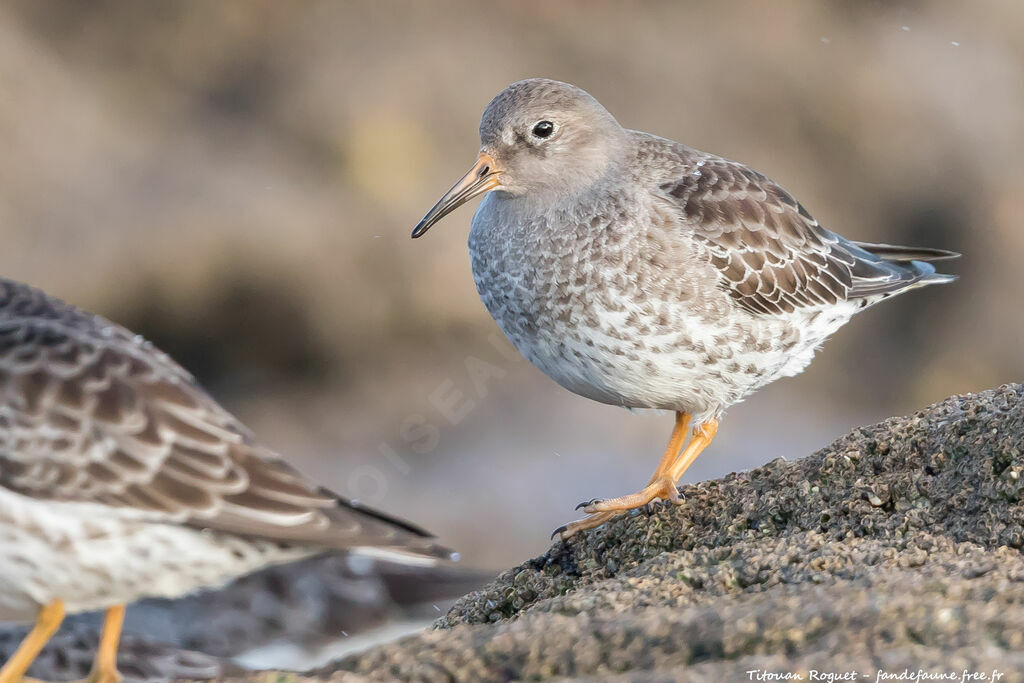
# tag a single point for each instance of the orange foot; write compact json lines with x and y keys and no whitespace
{"x":663,"y":481}
{"x":572,"y":528}
{"x":663,"y":487}
{"x":600,"y":511}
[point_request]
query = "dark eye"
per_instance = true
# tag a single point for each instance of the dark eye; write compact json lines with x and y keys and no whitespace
{"x":543,"y":129}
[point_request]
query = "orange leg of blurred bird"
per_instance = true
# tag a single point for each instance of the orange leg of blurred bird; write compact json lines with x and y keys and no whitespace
{"x":663,"y":481}
{"x":47,"y":623}
{"x":104,"y":666}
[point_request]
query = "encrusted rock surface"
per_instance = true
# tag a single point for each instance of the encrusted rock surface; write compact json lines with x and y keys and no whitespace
{"x":896,"y":547}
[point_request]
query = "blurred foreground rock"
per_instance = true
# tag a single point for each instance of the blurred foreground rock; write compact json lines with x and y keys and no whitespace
{"x":301,"y":606}
{"x":897,"y":547}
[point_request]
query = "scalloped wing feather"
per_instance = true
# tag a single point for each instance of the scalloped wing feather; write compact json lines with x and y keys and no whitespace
{"x":773,"y":256}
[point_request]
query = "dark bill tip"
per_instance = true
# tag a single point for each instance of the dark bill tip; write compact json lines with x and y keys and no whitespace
{"x":480,"y":179}
{"x":420,"y":229}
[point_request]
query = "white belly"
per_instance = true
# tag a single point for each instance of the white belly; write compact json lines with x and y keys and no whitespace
{"x":694,"y":367}
{"x":82,"y":554}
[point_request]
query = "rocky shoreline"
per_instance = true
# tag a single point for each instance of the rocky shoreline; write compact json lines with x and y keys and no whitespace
{"x":897,"y":547}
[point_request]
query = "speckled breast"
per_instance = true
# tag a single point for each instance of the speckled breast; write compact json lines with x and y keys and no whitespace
{"x":603,"y":303}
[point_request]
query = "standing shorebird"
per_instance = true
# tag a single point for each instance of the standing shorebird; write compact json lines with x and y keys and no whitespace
{"x":120,"y":478}
{"x":640,"y":272}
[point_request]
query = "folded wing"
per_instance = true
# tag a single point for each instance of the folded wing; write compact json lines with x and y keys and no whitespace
{"x":773,"y":256}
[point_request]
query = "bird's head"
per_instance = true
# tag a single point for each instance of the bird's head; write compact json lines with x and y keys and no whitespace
{"x":539,"y":139}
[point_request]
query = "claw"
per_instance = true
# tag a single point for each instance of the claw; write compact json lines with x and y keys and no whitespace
{"x":559,"y":531}
{"x":587,"y":503}
{"x":592,"y":521}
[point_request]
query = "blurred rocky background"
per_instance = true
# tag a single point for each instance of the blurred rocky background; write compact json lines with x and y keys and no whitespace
{"x":237,"y":180}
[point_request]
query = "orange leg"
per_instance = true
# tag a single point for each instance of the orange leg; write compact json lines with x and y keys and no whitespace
{"x":47,"y":623}
{"x":702,"y":437}
{"x":675,"y":443}
{"x":104,"y":666}
{"x":663,"y":482}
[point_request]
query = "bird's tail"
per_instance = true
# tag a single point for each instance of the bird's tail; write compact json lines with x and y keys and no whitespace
{"x":893,"y":252}
{"x":924,"y":274}
{"x":888,"y":269}
{"x":915,"y":259}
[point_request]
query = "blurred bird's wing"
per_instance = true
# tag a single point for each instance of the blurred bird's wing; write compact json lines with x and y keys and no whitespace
{"x":90,"y":413}
{"x":773,"y":256}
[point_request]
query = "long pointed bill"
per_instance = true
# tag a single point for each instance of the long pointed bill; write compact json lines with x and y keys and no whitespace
{"x":483,"y":177}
